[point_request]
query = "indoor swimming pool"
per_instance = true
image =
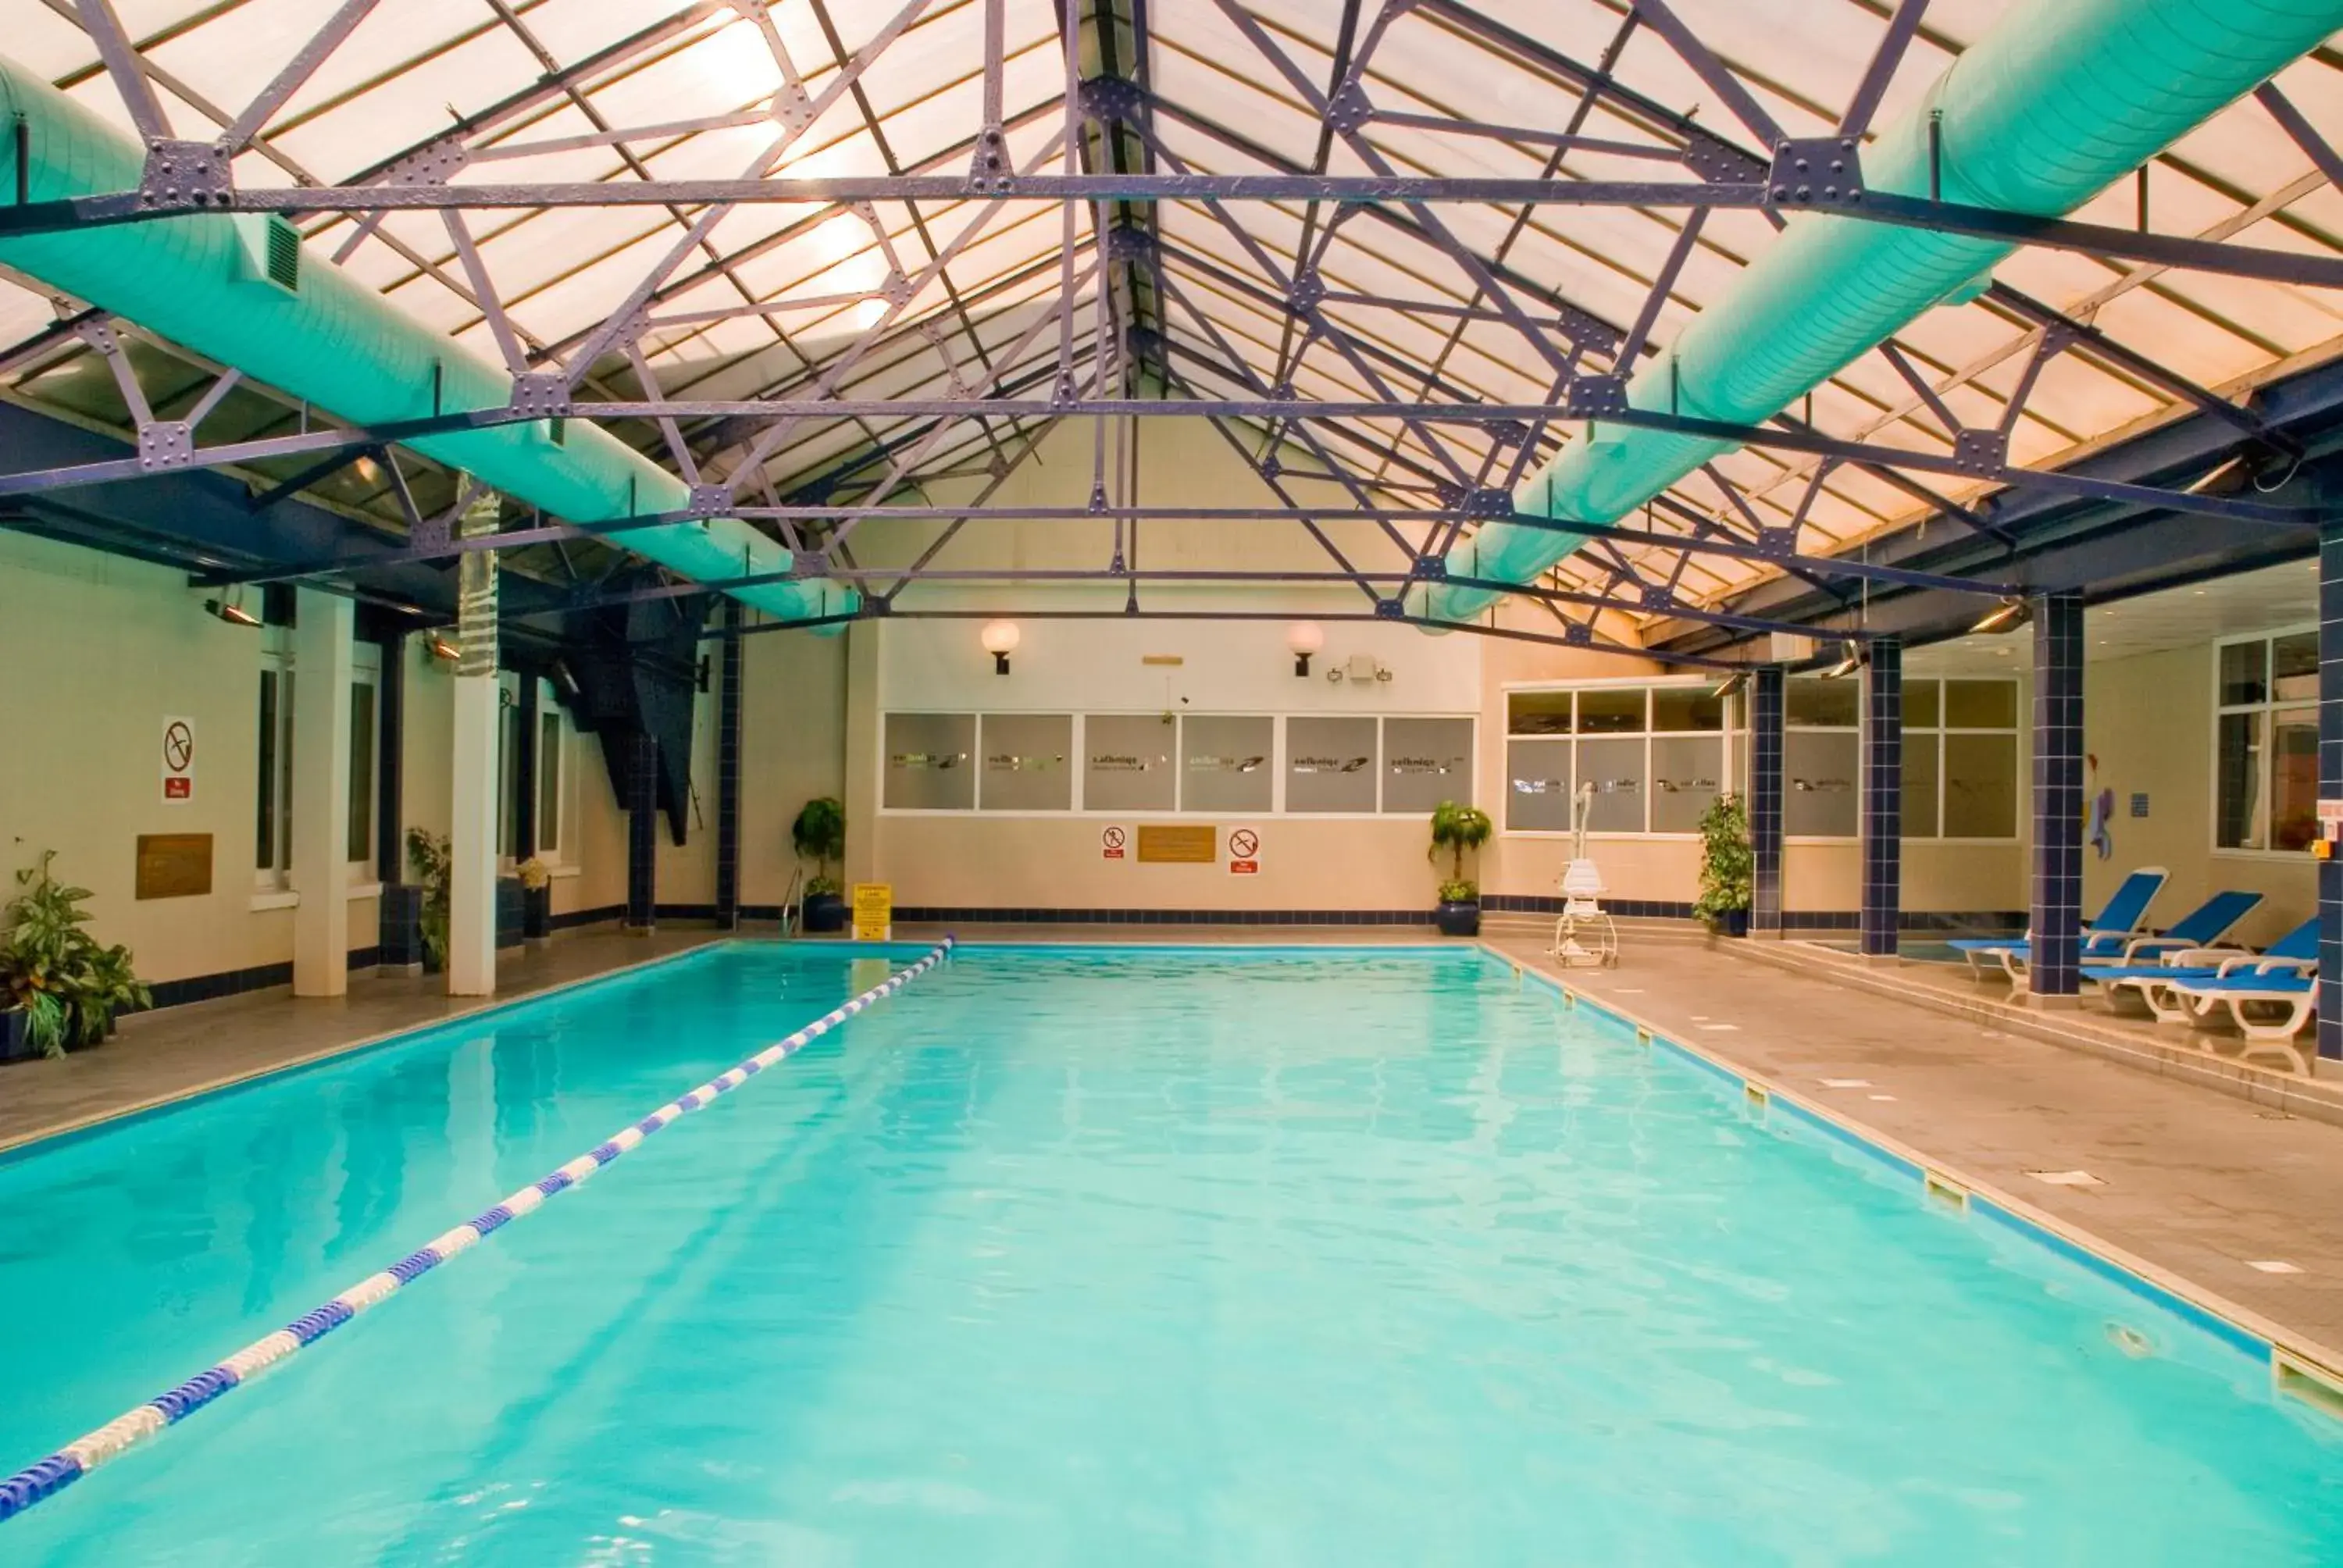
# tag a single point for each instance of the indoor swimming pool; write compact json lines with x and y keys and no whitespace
{"x":1131,"y":1255}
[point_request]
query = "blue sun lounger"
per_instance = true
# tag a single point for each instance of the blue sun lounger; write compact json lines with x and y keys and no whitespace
{"x":2294,"y":993}
{"x":2103,"y":937}
{"x":2154,"y":982}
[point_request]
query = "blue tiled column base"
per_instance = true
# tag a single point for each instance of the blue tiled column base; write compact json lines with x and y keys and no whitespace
{"x":2330,"y":785}
{"x":642,"y":833}
{"x":2056,"y":896}
{"x":1765,"y":696}
{"x":1883,"y":799}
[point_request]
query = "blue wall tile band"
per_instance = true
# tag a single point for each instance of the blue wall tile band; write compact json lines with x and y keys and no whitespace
{"x":69,"y":1465}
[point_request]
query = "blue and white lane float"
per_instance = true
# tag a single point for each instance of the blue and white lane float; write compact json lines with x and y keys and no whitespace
{"x":125,"y":1431}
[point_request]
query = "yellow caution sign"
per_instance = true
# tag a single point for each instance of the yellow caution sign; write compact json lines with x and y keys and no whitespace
{"x":874,"y":911}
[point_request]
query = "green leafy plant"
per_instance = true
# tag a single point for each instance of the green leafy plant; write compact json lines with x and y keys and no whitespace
{"x":1726,"y":860}
{"x":429,"y":858}
{"x":69,"y":987}
{"x":819,"y":835}
{"x":1461,"y":830}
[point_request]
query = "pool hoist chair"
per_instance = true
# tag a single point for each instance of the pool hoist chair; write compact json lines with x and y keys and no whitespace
{"x":1584,"y":937}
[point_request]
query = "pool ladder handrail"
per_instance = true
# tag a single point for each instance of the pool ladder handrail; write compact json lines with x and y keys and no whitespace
{"x":793,"y":904}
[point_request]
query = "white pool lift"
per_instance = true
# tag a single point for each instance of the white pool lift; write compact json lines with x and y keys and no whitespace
{"x":1584,"y":937}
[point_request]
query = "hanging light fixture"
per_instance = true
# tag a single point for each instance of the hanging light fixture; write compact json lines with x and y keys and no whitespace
{"x":1848,"y":660}
{"x":2008,"y":615}
{"x":1304,"y":637}
{"x":231,"y":610}
{"x":1001,"y":638}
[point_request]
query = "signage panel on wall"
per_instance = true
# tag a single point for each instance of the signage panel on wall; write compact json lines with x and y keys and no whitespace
{"x":1245,"y":851}
{"x":179,"y":755}
{"x":874,"y":911}
{"x":1164,"y":844}
{"x":1113,"y":841}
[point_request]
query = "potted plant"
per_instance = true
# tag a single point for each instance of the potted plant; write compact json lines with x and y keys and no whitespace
{"x":63,"y":989}
{"x":537,"y":900}
{"x":819,"y":835}
{"x":427,"y":856}
{"x":1459,"y":829}
{"x":1726,"y":862}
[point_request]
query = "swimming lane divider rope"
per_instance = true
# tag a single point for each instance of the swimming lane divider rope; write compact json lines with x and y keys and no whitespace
{"x":125,"y":1431}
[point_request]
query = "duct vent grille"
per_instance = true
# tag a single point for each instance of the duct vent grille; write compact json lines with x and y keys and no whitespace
{"x":283,"y":256}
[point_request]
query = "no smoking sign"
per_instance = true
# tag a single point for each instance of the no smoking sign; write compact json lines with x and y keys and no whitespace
{"x":178,"y":761}
{"x":1244,"y":852}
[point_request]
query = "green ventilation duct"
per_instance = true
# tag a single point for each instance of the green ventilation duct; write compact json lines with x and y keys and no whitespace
{"x":240,"y":290}
{"x":2057,"y":102}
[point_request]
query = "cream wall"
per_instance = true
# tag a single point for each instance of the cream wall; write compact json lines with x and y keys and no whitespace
{"x":793,"y":748}
{"x":2149,"y":722}
{"x":97,"y":651}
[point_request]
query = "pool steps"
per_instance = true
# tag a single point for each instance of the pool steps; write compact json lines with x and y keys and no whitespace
{"x":77,"y":1459}
{"x":2306,"y":1374}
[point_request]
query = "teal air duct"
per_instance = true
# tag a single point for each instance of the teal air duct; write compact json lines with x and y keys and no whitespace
{"x":2057,"y":102}
{"x":239,"y":289}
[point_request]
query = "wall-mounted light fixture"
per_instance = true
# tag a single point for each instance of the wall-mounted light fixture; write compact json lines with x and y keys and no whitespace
{"x":2008,"y":615}
{"x":442,"y":650}
{"x":1304,"y":637}
{"x":1000,"y":639}
{"x":1731,"y":684}
{"x":1848,"y":660}
{"x":231,"y":610}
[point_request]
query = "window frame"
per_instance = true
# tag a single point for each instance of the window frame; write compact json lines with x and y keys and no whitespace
{"x":275,"y":790}
{"x":2267,"y":709}
{"x":555,"y":734}
{"x":1941,"y":731}
{"x":1080,"y":808}
{"x":365,"y":670}
{"x":1731,"y":773}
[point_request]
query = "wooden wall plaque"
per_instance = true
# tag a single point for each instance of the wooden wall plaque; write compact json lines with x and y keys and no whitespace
{"x":175,"y":865}
{"x":1185,"y":844}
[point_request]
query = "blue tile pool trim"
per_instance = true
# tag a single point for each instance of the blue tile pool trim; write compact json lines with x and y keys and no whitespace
{"x":2280,"y":1357}
{"x":48,"y":1477}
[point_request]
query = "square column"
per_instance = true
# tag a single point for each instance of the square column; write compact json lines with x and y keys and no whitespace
{"x":480,"y":723}
{"x":2330,"y":785}
{"x":2056,"y":897}
{"x":1765,"y":704}
{"x":323,"y":668}
{"x":642,"y":833}
{"x":727,"y":774}
{"x":1883,"y":799}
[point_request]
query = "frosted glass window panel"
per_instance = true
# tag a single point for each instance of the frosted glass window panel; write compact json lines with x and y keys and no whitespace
{"x":1127,"y":762}
{"x":930,"y":762}
{"x":1330,"y":764}
{"x":1615,"y":769}
{"x":1028,"y":762}
{"x":1687,"y":774}
{"x":1226,"y":763}
{"x":2294,"y":775}
{"x":1820,"y":798}
{"x":2294,"y":668}
{"x":1538,"y":787}
{"x":1919,"y":784}
{"x":1981,"y":786}
{"x":1426,"y":761}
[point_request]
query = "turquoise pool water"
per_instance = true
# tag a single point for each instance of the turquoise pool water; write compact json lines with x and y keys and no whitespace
{"x":1162,"y":1257}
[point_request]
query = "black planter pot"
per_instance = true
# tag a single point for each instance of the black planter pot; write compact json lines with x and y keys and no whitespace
{"x":1732,"y":923}
{"x":537,"y":913}
{"x":825,"y":913}
{"x":15,"y":1036}
{"x":1458,"y":919}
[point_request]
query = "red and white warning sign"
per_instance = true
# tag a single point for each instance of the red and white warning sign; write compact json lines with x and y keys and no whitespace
{"x":1112,"y":840}
{"x":1244,"y":852}
{"x":178,"y":761}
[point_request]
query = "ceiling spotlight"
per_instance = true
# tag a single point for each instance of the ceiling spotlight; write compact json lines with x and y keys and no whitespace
{"x":231,"y":610}
{"x":1304,"y":637}
{"x":1849,"y":658}
{"x":1001,"y":638}
{"x":2008,"y":615}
